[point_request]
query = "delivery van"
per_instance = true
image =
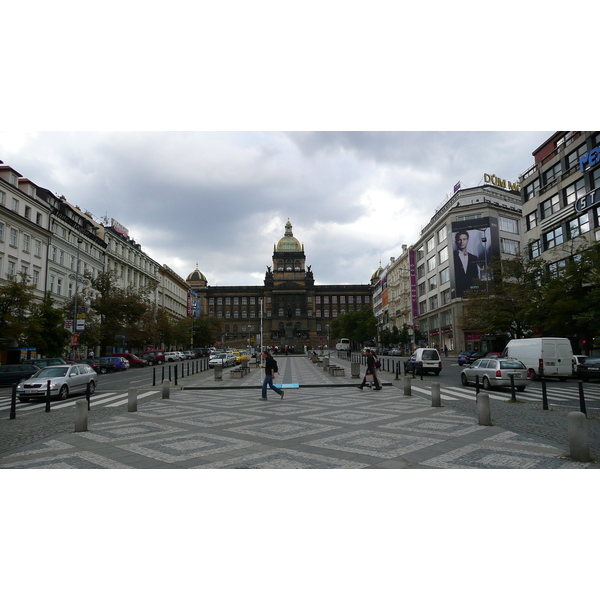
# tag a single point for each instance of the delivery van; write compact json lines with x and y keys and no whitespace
{"x":343,"y":344}
{"x":543,"y":357}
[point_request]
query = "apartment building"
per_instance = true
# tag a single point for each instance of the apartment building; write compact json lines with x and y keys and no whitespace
{"x":24,"y":230}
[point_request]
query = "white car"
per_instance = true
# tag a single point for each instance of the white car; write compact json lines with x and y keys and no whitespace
{"x":223,"y":359}
{"x":172,"y":356}
{"x":64,"y":381}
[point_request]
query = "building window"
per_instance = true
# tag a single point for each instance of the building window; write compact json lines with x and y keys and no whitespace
{"x":553,"y":238}
{"x":430,"y":245}
{"x":420,"y":253}
{"x":579,"y":225}
{"x":433,"y":283}
{"x":552,"y":173}
{"x":38,"y":219}
{"x":298,"y":312}
{"x":423,"y":307}
{"x":433,"y":302}
{"x":443,"y":255}
{"x":59,"y":282}
{"x":422,"y":289}
{"x":442,"y":234}
{"x":532,"y":190}
{"x":326,"y":313}
{"x":15,"y":205}
{"x":26,"y":241}
{"x":36,"y":278}
{"x":446,"y":297}
{"x":555,"y":269}
{"x":52,"y":283}
{"x":575,"y":191}
{"x":431,"y":264}
{"x":535,"y":249}
{"x":509,"y":246}
{"x":573,"y":157}
{"x":420,"y":271}
{"x":28,"y":213}
{"x":508,"y":225}
{"x":11,"y":268}
{"x":318,"y":313}
{"x":445,"y":275}
{"x":531,"y":219}
{"x":281,"y":312}
{"x":550,"y":206}
{"x":2,"y":198}
{"x":13,"y":237}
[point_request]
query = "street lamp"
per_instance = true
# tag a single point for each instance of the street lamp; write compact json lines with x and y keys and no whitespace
{"x":79,"y":241}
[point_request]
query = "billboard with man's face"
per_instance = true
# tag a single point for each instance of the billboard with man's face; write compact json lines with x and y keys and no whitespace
{"x":476,"y":243}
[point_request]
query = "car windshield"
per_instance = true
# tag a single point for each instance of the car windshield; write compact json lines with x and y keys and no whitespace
{"x":220,"y":356}
{"x":52,"y":372}
{"x":430,"y":355}
{"x":512,"y":364}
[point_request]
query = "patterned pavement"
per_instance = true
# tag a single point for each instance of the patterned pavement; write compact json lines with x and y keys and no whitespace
{"x":324,"y":423}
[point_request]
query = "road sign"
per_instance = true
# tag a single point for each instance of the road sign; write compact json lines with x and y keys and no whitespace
{"x":80,"y":325}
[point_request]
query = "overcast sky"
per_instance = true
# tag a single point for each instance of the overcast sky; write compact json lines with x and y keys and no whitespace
{"x":221,"y":200}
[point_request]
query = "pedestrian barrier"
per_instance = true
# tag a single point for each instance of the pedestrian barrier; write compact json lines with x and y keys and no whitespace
{"x":578,"y":437}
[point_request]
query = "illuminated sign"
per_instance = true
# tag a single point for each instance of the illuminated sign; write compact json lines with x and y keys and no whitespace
{"x":509,"y":185}
{"x":590,"y":159}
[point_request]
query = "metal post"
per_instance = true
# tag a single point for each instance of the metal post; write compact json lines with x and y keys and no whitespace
{"x":581,"y":398}
{"x":544,"y":396}
{"x":169,"y":372}
{"x":513,"y":395}
{"x":88,"y":394}
{"x":175,"y":374}
{"x":13,"y":402}
{"x":153,"y":376}
{"x":163,"y":374}
{"x":48,"y":396}
{"x":476,"y":387}
{"x":132,"y":400}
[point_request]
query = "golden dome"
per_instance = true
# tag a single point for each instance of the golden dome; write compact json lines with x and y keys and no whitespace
{"x":288,"y":243}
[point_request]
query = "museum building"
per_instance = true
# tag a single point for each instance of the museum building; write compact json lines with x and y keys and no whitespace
{"x":291,"y":308}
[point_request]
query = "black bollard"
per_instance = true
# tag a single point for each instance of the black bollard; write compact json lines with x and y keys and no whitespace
{"x":169,"y":372}
{"x":88,"y":394}
{"x":13,"y":402}
{"x":188,"y":370}
{"x":163,"y":374}
{"x":175,"y":374}
{"x":513,"y":395}
{"x":544,"y":396}
{"x":153,"y":376}
{"x":476,"y":386}
{"x":581,"y":398}
{"x":48,"y":396}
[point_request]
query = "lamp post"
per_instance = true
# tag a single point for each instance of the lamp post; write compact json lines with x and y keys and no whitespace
{"x":79,"y":241}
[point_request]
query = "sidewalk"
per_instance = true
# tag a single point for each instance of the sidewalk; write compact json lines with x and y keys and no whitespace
{"x":323,"y":422}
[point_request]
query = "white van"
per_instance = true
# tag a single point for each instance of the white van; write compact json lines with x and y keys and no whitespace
{"x":343,"y":344}
{"x":543,"y":357}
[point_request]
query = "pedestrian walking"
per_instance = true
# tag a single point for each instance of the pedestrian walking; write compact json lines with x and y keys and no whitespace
{"x":371,"y":370}
{"x":91,"y":354}
{"x":270,"y":370}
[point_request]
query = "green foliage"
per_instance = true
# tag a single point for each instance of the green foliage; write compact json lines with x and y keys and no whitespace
{"x":16,"y":301}
{"x":45,"y":329}
{"x":359,"y":325}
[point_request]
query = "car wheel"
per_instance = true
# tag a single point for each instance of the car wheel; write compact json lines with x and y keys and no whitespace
{"x":486,"y":384}
{"x":532,"y":374}
{"x":463,"y":379}
{"x":92,"y":386}
{"x":103,"y":370}
{"x":562,"y":378}
{"x":64,"y":392}
{"x":520,"y":388}
{"x":150,"y":363}
{"x":23,"y":399}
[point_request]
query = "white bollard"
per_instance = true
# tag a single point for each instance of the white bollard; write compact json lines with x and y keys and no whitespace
{"x":355,"y":370}
{"x":81,"y":415}
{"x":132,"y":400}
{"x":483,"y":409}
{"x":166,"y":389}
{"x":578,"y":437}
{"x":436,"y":397}
{"x":218,"y":372}
{"x":407,"y":391}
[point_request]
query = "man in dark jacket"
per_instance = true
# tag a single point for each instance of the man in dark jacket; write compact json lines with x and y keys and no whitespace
{"x":270,"y":370}
{"x":371,"y":370}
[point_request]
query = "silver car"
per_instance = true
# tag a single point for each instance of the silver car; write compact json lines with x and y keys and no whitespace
{"x":224,"y":359}
{"x":64,"y":381}
{"x":496,"y":372}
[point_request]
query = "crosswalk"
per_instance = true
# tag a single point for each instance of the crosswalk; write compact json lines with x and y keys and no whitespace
{"x":558,"y":396}
{"x":107,"y":399}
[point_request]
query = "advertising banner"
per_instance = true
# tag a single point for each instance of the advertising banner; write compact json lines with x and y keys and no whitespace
{"x":476,"y":243}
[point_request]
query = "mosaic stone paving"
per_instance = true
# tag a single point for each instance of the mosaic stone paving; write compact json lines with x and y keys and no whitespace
{"x":312,"y":428}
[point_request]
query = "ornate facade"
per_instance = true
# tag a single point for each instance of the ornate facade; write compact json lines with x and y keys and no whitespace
{"x":292,"y":310}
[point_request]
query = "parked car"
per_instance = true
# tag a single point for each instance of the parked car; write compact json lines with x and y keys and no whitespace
{"x":172,"y":356}
{"x":64,"y":381}
{"x":469,"y":360}
{"x":577,"y":359}
{"x":424,"y":360}
{"x":132,"y":359}
{"x":189,"y":354}
{"x":496,"y":372}
{"x":112,"y":363}
{"x":92,"y":362}
{"x":225,"y":359}
{"x":493,"y":355}
{"x":462,"y":357}
{"x":154,"y":356}
{"x":395,"y":352}
{"x":45,"y":362}
{"x":10,"y":374}
{"x":589,"y":368}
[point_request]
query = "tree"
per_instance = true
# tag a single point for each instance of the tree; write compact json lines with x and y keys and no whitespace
{"x":359,"y":326}
{"x":16,"y":302}
{"x":45,"y":328}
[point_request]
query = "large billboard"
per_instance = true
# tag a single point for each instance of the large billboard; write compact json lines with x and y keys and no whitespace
{"x":475,"y":245}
